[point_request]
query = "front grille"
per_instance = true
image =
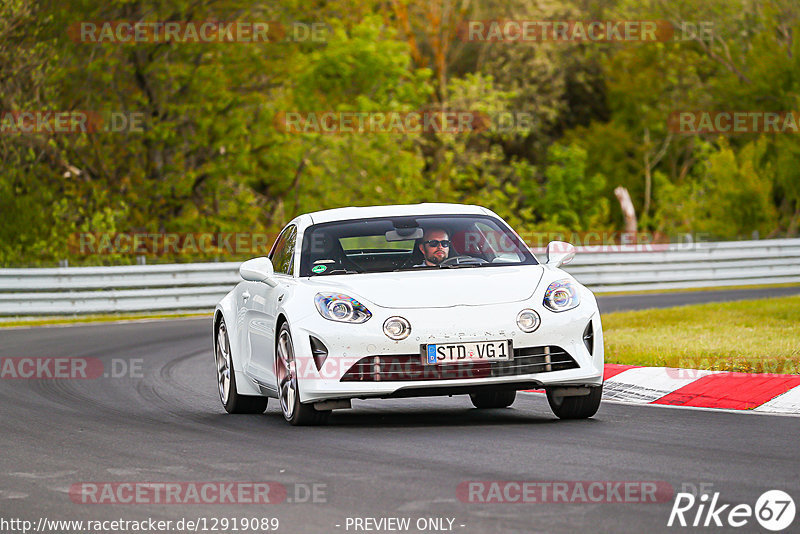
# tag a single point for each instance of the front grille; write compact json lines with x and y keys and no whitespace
{"x":409,"y":367}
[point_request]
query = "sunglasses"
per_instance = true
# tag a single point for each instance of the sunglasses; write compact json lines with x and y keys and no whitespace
{"x":435,"y":243}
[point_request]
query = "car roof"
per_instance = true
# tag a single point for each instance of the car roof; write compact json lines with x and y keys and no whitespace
{"x":397,"y":210}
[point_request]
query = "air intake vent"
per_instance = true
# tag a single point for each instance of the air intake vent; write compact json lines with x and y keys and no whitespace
{"x":588,"y":338}
{"x":319,"y":351}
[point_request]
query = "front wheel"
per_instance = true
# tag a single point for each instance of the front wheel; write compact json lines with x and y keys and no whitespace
{"x":581,"y":407}
{"x":226,"y":379}
{"x":294,"y":412}
{"x":493,"y":399}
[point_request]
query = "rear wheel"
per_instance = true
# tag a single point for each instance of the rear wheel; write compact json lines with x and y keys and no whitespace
{"x":288,"y":385}
{"x":226,"y":379}
{"x":493,"y":399}
{"x":581,"y":407}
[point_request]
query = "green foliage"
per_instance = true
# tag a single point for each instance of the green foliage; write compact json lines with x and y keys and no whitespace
{"x":212,"y":157}
{"x":363,"y":68}
{"x":571,"y":200}
{"x":731,"y":197}
{"x":734,"y":197}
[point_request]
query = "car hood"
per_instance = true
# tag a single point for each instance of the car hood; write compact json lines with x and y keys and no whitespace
{"x":438,"y":288}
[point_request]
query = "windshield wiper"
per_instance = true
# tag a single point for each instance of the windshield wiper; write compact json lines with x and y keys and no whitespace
{"x":460,"y":265}
{"x":415,"y":268}
{"x":337,"y":271}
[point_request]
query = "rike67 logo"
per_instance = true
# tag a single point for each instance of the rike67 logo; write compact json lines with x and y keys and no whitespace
{"x":774,"y":510}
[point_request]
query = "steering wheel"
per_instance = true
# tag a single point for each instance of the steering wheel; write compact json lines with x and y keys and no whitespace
{"x":464,"y":260}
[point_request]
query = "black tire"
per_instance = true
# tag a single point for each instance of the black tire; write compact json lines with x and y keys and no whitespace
{"x":493,"y":399}
{"x":232,"y":401}
{"x":581,"y":407}
{"x":295,"y":412}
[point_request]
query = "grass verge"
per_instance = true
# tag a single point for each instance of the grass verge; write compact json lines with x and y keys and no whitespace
{"x":110,"y":318}
{"x":690,"y":290}
{"x":753,"y":336}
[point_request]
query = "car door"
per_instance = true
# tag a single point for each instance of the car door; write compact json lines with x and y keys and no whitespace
{"x":262,"y":306}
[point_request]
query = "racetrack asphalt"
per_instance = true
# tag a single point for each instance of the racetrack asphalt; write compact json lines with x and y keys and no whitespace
{"x":384,"y":458}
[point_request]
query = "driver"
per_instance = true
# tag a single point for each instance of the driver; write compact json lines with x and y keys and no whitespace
{"x":435,"y":247}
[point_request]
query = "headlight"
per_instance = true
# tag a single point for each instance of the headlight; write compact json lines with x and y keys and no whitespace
{"x":561,"y":296}
{"x":528,"y":320}
{"x":341,"y":308}
{"x":396,"y":328}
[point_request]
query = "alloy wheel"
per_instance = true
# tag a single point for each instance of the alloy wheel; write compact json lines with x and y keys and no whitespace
{"x":223,"y":364}
{"x":287,"y":376}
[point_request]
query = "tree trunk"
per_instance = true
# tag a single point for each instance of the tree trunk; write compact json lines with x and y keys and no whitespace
{"x":628,"y":211}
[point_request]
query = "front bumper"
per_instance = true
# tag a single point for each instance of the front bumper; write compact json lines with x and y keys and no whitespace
{"x":351,"y":344}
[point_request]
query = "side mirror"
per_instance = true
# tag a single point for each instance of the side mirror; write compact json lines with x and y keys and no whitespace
{"x":559,"y":253}
{"x":258,"y":270}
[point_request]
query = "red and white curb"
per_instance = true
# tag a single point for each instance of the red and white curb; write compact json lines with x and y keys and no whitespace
{"x":766,"y":393}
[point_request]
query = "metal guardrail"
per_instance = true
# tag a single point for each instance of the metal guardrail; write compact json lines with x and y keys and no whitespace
{"x":689,"y":265}
{"x":134,"y":288}
{"x":198,"y":286}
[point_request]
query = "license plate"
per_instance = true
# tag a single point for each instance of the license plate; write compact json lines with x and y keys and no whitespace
{"x":480,"y":351}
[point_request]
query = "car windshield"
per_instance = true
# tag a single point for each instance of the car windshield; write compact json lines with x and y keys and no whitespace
{"x":410,"y":243}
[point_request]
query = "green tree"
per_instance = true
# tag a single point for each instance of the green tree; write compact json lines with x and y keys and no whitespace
{"x":571,"y":199}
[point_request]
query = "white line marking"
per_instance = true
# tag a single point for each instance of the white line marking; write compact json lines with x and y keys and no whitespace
{"x":42,"y":475}
{"x":788,"y":402}
{"x":678,"y":407}
{"x":12,"y":495}
{"x":648,"y":384}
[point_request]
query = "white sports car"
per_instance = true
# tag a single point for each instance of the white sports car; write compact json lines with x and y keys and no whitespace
{"x":406,"y":301}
